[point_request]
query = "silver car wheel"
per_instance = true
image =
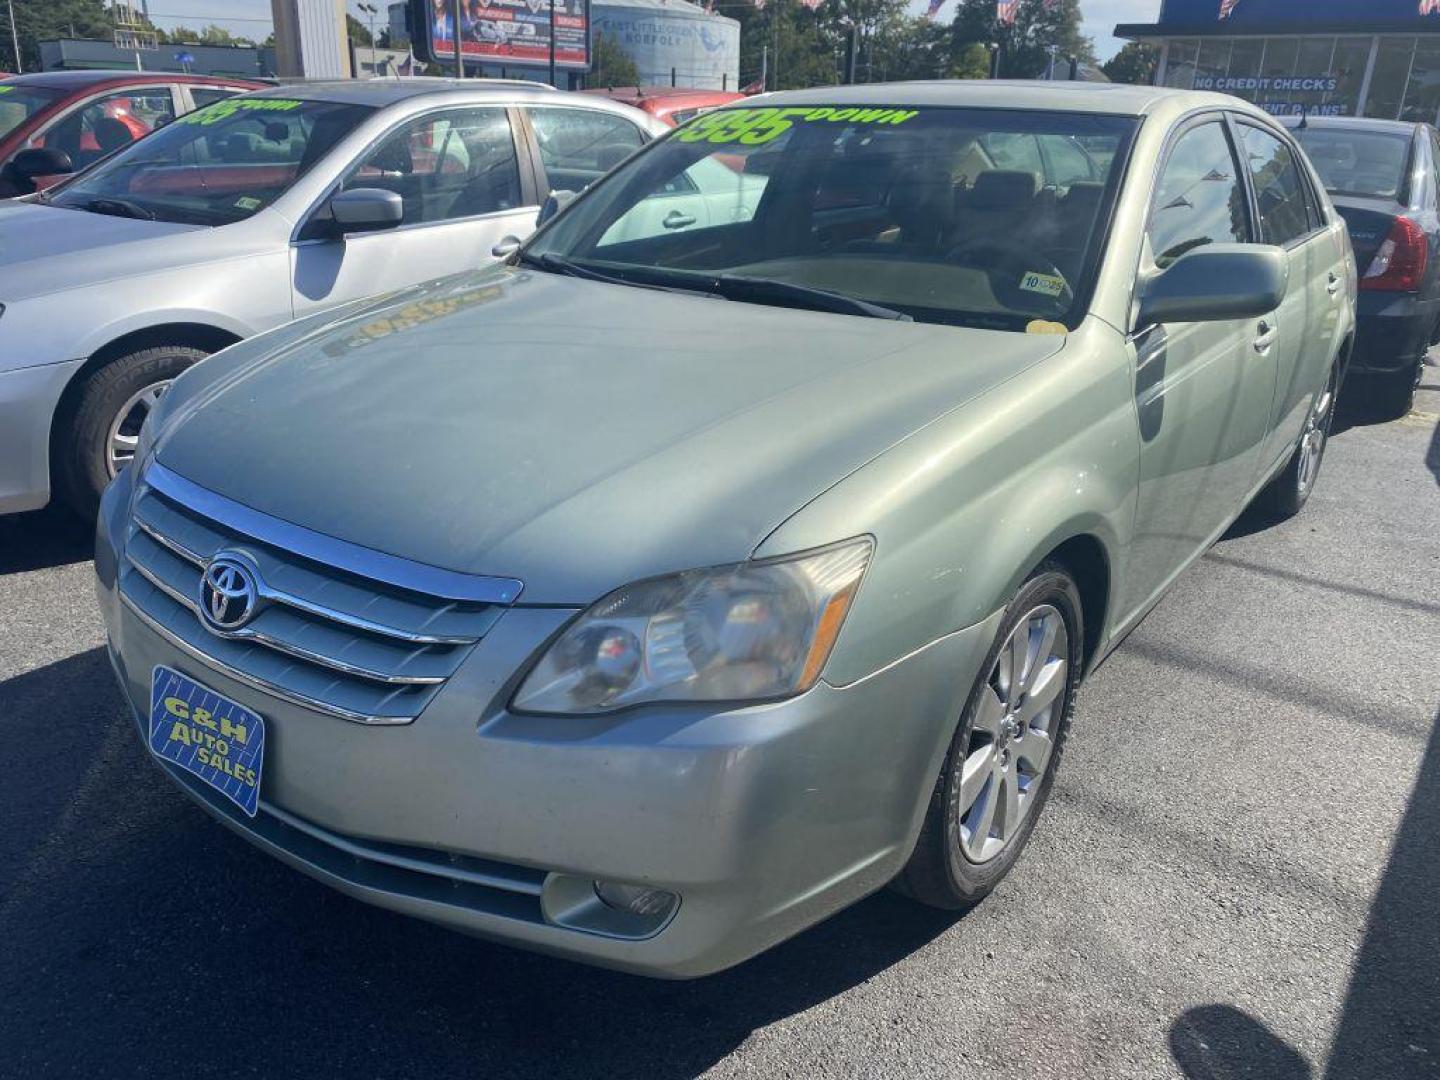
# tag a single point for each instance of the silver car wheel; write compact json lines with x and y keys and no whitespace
{"x":124,"y":434}
{"x":1317,"y":429}
{"x":1013,"y":735}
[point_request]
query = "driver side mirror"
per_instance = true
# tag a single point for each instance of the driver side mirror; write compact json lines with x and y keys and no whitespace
{"x":554,"y":203}
{"x":1215,"y":283}
{"x":366,"y":210}
{"x":28,"y":165}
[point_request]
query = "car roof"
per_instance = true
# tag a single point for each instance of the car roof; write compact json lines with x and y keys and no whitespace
{"x":1358,"y":123}
{"x":388,"y":90}
{"x":1062,"y":96}
{"x":668,"y":94}
{"x":79,"y":80}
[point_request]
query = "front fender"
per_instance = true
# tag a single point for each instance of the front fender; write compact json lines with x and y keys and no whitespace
{"x":965,"y":508}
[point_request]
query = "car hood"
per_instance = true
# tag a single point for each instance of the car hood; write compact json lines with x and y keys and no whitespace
{"x":46,"y":249}
{"x":573,"y":434}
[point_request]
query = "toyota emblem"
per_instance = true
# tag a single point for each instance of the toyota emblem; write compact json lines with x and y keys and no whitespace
{"x":229,"y":594}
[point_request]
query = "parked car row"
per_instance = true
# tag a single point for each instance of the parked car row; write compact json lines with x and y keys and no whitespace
{"x":646,"y":588}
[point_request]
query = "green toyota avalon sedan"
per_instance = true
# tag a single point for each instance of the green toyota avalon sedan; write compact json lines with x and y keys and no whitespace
{"x":737,"y":545}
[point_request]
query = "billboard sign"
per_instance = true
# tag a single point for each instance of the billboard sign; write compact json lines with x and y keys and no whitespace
{"x":1274,"y":13}
{"x":508,"y":33}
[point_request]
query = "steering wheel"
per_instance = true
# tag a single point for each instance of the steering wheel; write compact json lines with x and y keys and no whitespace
{"x":1019,"y":280}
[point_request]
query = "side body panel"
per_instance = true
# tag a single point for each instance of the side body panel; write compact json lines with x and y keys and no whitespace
{"x":963,"y":509}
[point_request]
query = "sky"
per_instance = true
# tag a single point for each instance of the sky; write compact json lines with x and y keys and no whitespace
{"x":251,"y":18}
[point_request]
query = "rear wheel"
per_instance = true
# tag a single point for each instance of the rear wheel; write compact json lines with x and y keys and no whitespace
{"x":97,"y":435}
{"x":1287,"y":494}
{"x":998,"y":772}
{"x":1393,"y":394}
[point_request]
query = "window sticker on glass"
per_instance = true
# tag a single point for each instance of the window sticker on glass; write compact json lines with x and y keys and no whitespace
{"x":211,"y":114}
{"x":1045,"y":326}
{"x":1044,"y":284}
{"x":247,"y":202}
{"x":753,"y":127}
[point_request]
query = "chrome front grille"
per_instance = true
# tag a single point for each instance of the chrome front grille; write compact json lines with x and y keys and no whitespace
{"x":368,"y":647}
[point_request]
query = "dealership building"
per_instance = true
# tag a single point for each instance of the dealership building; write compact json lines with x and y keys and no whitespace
{"x":1378,"y":58}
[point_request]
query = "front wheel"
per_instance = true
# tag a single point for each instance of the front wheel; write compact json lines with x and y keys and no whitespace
{"x":97,"y":435}
{"x":997,"y":774}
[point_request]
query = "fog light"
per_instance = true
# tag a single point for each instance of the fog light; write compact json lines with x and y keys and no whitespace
{"x":634,"y":899}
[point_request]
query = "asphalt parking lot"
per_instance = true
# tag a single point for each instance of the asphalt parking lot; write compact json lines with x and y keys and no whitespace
{"x":1239,"y":875}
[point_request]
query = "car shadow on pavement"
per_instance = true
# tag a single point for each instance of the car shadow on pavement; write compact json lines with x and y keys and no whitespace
{"x":137,"y":930}
{"x":1221,"y":1042}
{"x":1390,"y":1022}
{"x":43,"y":539}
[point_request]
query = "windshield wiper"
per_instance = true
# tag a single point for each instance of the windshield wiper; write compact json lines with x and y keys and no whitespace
{"x":771,"y":291}
{"x":558,"y":264}
{"x":116,"y":208}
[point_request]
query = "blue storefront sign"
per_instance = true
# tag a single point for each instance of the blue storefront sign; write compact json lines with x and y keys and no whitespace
{"x":1240,"y":16}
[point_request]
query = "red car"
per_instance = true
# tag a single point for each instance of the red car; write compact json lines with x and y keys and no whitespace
{"x":666,"y":103}
{"x":56,"y":122}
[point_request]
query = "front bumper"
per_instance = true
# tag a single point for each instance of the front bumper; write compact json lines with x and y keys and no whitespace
{"x":28,"y":398}
{"x":763,"y":820}
{"x":1392,"y":332}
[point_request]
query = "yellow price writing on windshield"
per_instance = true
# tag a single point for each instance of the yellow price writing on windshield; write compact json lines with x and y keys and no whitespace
{"x":230,"y":106}
{"x":754,"y":127}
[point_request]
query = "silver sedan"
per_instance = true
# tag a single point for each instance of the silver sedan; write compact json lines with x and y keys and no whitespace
{"x":245,"y":215}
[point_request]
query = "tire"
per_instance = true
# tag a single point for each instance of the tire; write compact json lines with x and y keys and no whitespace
{"x":1287,"y":494}
{"x":83,"y":432}
{"x":955,"y":866}
{"x":1391,"y":395}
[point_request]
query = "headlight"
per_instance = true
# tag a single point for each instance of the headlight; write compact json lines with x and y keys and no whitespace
{"x":750,"y":631}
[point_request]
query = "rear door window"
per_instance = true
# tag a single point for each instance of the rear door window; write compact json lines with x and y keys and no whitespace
{"x":1280,"y":191}
{"x":578,"y":146}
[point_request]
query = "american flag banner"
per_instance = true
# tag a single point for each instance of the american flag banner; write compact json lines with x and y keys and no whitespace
{"x":1228,"y":6}
{"x":1005,"y":11}
{"x":936,"y":5}
{"x":1429,"y":7}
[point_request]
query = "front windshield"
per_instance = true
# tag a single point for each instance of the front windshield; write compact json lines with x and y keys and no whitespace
{"x":1353,"y":162}
{"x":19,"y":103}
{"x":216,"y":165}
{"x":976,"y":217}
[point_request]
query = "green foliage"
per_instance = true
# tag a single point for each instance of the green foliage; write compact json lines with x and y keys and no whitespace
{"x":609,"y":64}
{"x":357,"y":31}
{"x":973,"y":62}
{"x":47,"y":20}
{"x":1135,"y":63}
{"x":1026,"y":45}
{"x":210,"y":35}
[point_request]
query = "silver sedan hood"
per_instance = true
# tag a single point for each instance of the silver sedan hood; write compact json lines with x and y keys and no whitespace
{"x":573,"y":434}
{"x":45,"y":249}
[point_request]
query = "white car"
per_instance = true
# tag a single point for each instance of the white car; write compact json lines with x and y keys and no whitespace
{"x":245,"y":215}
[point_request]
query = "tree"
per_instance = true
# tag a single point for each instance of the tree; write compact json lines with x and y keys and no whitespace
{"x":210,"y":35}
{"x":610,"y":66}
{"x":47,"y":20}
{"x":973,"y":62}
{"x":1041,"y":29}
{"x":357,"y":32}
{"x":1135,"y":63}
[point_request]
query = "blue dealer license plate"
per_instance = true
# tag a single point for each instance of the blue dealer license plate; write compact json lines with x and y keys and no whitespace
{"x":219,"y":740}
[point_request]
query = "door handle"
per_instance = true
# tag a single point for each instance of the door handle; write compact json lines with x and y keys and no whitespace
{"x":1332,"y":286}
{"x":676,"y":220}
{"x":1265,"y":337}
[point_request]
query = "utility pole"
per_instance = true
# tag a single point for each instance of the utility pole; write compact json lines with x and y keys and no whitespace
{"x":459,"y":58}
{"x":15,"y":38}
{"x":764,"y":67}
{"x":552,"y":42}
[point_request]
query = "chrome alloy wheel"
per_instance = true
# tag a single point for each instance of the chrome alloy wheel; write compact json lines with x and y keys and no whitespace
{"x":124,"y":434}
{"x":1013,"y":735}
{"x":1317,"y":430}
